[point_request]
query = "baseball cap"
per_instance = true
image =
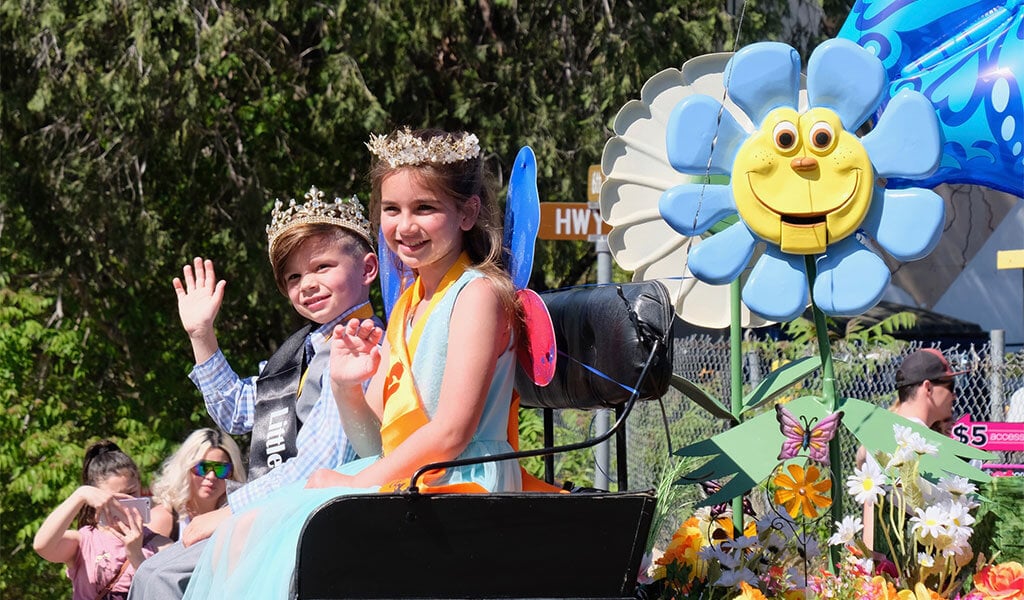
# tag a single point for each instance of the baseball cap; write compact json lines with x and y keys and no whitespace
{"x":924,"y":365}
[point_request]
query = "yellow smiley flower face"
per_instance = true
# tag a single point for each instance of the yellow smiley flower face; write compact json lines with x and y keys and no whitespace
{"x":802,"y":181}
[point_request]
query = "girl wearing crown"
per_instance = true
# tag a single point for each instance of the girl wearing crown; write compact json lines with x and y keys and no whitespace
{"x":441,"y":380}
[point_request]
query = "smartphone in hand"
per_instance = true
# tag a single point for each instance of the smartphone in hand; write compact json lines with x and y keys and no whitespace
{"x":139,"y":504}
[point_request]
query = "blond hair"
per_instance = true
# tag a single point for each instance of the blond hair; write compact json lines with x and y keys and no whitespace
{"x":171,"y":487}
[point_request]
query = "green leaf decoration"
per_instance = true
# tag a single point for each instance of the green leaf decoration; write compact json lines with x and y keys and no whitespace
{"x":872,"y":426}
{"x":747,"y":453}
{"x":780,"y":380}
{"x":703,"y":399}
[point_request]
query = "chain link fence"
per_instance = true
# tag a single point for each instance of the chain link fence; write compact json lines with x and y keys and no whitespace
{"x":987,"y":392}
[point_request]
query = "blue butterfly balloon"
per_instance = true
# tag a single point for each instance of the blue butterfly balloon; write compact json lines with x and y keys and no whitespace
{"x":966,"y":57}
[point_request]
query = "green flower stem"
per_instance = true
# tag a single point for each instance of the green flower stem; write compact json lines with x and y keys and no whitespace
{"x":828,"y":393}
{"x":736,"y":383}
{"x":885,"y":523}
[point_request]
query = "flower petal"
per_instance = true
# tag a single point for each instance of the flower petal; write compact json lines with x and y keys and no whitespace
{"x":851,"y":279}
{"x":777,"y":286}
{"x":906,"y":142}
{"x":691,"y":208}
{"x":721,"y":258}
{"x":762,"y":77}
{"x":846,"y":78}
{"x":692,"y":130}
{"x":906,"y":223}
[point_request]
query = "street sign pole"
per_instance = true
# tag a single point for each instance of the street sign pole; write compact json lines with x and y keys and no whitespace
{"x":581,"y":221}
{"x":602,"y":458}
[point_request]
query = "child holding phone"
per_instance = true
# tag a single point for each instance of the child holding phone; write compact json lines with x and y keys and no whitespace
{"x":100,"y":559}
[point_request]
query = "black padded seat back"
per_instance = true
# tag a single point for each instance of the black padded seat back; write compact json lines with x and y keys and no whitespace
{"x":474,"y":546}
{"x":611,"y":328}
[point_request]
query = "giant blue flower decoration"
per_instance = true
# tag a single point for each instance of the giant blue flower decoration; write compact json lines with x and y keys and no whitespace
{"x":804,"y":183}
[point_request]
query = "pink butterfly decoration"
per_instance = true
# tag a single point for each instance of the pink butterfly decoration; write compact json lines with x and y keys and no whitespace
{"x":802,"y":435}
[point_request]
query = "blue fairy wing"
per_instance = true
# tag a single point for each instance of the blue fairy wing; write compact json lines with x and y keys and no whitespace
{"x":394,"y":276}
{"x":522,"y":217}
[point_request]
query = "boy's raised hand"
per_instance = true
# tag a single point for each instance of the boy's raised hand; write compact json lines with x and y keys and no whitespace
{"x":199,"y":301}
{"x":355,"y":351}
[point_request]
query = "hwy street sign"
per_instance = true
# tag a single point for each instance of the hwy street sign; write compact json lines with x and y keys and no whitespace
{"x":571,"y":221}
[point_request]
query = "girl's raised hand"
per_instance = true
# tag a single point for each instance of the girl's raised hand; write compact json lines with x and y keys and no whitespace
{"x":355,"y":351}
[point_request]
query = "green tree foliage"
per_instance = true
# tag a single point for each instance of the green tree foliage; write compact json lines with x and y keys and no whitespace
{"x":136,"y":135}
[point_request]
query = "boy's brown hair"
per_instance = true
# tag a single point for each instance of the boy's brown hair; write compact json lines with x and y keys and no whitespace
{"x":299,"y":233}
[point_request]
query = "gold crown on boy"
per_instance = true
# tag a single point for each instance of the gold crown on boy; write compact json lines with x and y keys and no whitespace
{"x":347,"y":213}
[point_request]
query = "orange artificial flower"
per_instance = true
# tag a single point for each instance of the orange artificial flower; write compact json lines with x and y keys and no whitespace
{"x":1003,"y":581}
{"x":749,"y":593}
{"x":802,"y":491}
{"x":684,"y":547}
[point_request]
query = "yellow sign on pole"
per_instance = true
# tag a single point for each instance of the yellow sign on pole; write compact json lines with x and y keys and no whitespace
{"x":1010,"y":259}
{"x":594,"y":180}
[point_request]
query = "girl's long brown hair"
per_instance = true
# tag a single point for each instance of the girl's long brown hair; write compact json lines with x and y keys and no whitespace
{"x":461,"y":181}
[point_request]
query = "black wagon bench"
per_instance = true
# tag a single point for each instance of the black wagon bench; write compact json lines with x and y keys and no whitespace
{"x":524,"y":544}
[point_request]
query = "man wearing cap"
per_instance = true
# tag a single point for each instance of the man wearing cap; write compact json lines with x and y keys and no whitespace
{"x":925,"y":387}
{"x":925,"y":390}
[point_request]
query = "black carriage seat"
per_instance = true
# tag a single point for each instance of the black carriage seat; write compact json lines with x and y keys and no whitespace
{"x":515,"y":545}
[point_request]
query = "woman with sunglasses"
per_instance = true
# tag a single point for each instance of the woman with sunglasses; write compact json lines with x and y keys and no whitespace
{"x":193,"y":481}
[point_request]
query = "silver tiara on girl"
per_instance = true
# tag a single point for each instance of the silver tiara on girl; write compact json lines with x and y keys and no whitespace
{"x":403,"y":148}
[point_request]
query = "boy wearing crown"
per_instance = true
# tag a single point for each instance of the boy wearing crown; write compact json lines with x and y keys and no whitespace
{"x":322,"y":258}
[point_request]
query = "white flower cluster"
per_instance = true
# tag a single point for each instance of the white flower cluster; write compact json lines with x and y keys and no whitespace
{"x":941,"y":521}
{"x":944,"y":528}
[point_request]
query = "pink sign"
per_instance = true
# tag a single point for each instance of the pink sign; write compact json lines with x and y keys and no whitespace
{"x":989,"y":435}
{"x":1003,"y":470}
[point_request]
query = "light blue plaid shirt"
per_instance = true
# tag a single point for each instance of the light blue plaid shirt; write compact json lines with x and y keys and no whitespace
{"x":321,"y":441}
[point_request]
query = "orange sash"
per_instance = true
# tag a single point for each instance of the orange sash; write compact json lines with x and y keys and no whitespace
{"x":403,"y":408}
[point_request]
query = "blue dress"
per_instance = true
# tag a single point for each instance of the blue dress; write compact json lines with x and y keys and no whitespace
{"x":253,"y":554}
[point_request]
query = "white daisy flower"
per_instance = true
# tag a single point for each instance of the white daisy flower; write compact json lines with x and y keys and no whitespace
{"x":733,"y":577}
{"x":846,"y":530}
{"x":901,"y":456}
{"x":742,"y":542}
{"x":959,"y":516}
{"x":925,"y":560}
{"x":716,"y":553}
{"x":902,"y":434}
{"x":957,"y":486}
{"x":921,"y":447}
{"x":865,"y":485}
{"x":930,"y":522}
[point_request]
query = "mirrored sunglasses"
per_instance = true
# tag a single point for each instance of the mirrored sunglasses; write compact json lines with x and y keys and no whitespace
{"x":220,"y":470}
